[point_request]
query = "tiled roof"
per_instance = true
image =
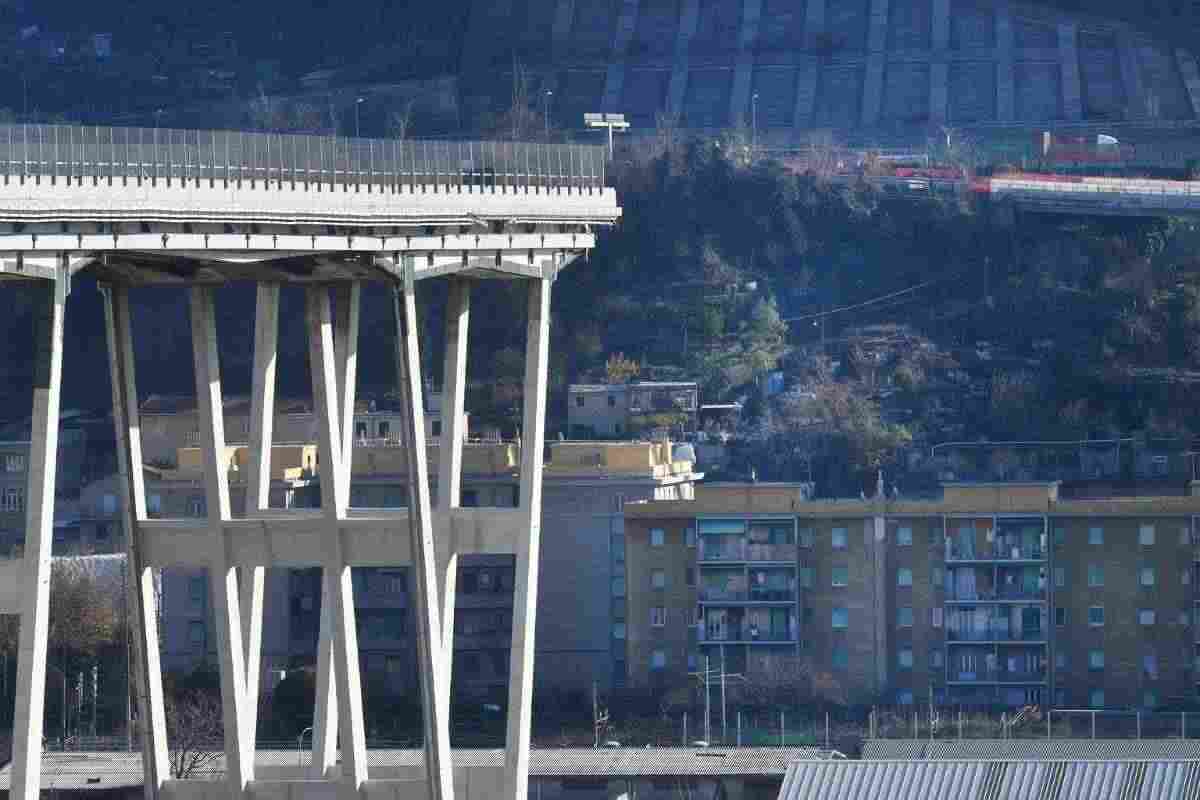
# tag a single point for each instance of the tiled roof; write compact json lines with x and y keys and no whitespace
{"x":992,"y":780}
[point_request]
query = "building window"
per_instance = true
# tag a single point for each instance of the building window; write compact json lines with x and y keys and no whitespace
{"x":904,"y":658}
{"x":904,"y":697}
{"x":807,"y":615}
{"x":13,"y":499}
{"x":1095,"y":659}
{"x":618,"y":587}
{"x":397,"y":583}
{"x":840,"y":658}
{"x":1150,"y":666}
{"x":839,"y":538}
{"x":689,"y":537}
{"x":612,"y":401}
{"x":384,"y":429}
{"x":658,"y":659}
{"x":1060,"y":535}
{"x":1095,"y":575}
{"x":840,"y":576}
{"x":1185,"y":537}
{"x":904,"y":537}
{"x":689,"y":576}
{"x":154,"y":504}
{"x":435,"y":427}
{"x":1146,"y":535}
{"x":1096,"y":616}
{"x":937,"y":577}
{"x":841,"y":619}
{"x":197,"y":589}
{"x":806,"y":537}
{"x":658,"y":617}
{"x":1185,"y":576}
{"x":806,"y":577}
{"x":1060,"y":616}
{"x":657,"y":537}
{"x":14,"y":463}
{"x":658,"y":579}
{"x":618,"y":630}
{"x":1146,"y":576}
{"x":904,"y":616}
{"x":1095,"y":535}
{"x":1060,"y":577}
{"x":936,"y":617}
{"x":904,"y":577}
{"x":197,"y":506}
{"x":1096,"y":698}
{"x":1060,"y":660}
{"x":936,"y":659}
{"x":579,"y":401}
{"x":196,"y":635}
{"x":1146,"y":616}
{"x":393,"y":665}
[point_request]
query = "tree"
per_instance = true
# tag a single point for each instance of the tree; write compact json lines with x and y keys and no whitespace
{"x":619,"y":369}
{"x":194,"y":731}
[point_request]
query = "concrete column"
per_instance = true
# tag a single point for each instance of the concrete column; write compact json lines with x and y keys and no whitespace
{"x":877,"y":542}
{"x":1005,"y":71}
{"x":1068,"y":59}
{"x":450,"y":449}
{"x":239,"y":749}
{"x":258,"y":486}
{"x":876,"y":62}
{"x":1131,"y":78}
{"x":939,"y":66}
{"x":348,"y":300}
{"x":689,"y":18}
{"x":533,"y":437}
{"x":142,"y":618}
{"x":614,"y":79}
{"x":438,"y":768}
{"x":336,"y":581}
{"x":325,"y":711}
{"x":743,"y":74}
{"x":1191,"y":78}
{"x":39,"y":534}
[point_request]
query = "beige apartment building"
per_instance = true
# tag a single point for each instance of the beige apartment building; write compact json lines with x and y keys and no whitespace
{"x":1009,"y":594}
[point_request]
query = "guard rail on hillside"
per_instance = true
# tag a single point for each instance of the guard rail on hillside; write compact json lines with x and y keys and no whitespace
{"x":154,"y":156}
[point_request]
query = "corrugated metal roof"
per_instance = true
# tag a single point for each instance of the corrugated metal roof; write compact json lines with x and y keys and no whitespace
{"x":1105,"y":749}
{"x":993,"y":780}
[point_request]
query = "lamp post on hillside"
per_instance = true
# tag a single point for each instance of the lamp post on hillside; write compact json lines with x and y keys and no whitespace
{"x":546,"y":111}
{"x":358,"y":101}
{"x":753,"y":123}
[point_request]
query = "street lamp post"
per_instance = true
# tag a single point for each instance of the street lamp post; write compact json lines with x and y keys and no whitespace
{"x":546,"y":111}
{"x":357,"y":102}
{"x":753,"y":122}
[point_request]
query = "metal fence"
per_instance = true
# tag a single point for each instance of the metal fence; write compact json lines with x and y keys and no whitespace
{"x":140,"y":156}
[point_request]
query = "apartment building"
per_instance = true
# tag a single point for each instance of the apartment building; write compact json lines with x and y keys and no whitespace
{"x":14,"y":480}
{"x":585,"y":487}
{"x":616,"y":410}
{"x":1009,"y":593}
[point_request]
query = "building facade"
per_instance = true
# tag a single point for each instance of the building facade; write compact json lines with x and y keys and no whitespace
{"x":992,"y":594}
{"x":628,"y":409}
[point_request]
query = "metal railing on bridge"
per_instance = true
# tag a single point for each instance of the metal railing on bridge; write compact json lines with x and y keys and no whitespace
{"x":124,"y":156}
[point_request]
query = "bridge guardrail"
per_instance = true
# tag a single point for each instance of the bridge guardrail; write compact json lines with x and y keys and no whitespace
{"x":112,"y":154}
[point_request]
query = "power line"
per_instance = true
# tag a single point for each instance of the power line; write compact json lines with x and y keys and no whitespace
{"x":865,"y":303}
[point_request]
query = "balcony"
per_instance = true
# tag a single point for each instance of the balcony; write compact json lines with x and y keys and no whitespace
{"x":755,"y":595}
{"x":997,"y":634}
{"x":734,"y":550}
{"x":1004,"y":553}
{"x":1005,"y":595}
{"x":995,"y":676}
{"x":746,"y":635}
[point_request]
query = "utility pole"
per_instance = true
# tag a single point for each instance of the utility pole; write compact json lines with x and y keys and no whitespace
{"x":753,"y":124}
{"x":95,"y":695}
{"x":708,"y":678}
{"x":546,"y":111}
{"x":358,"y":101}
